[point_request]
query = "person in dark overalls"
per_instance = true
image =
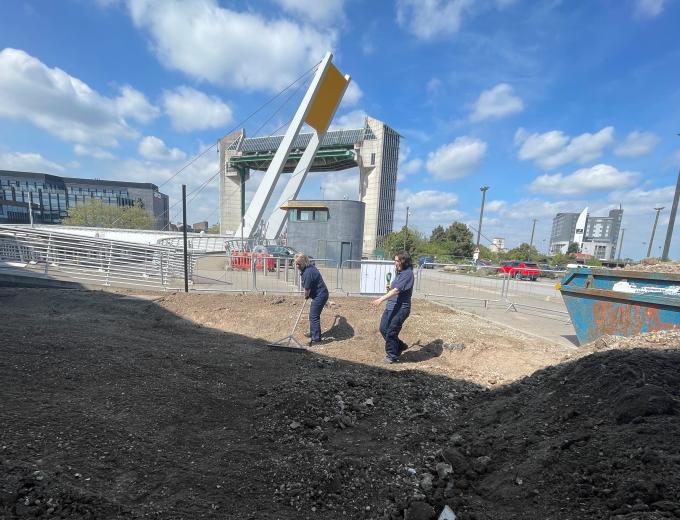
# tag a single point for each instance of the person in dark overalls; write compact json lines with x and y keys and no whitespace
{"x":398,"y":306}
{"x":316,"y":289}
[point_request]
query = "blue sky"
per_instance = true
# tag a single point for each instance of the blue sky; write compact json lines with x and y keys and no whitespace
{"x":555,"y":105}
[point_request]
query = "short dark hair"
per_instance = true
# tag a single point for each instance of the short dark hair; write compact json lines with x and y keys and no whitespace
{"x":404,"y":259}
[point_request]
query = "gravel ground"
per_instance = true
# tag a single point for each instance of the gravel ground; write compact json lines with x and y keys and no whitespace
{"x":117,"y":405}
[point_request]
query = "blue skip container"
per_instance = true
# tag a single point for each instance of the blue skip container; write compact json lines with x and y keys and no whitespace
{"x":621,"y":303}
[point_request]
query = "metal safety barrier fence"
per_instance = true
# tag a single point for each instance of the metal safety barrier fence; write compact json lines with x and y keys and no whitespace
{"x":243,"y":271}
{"x":108,"y":262}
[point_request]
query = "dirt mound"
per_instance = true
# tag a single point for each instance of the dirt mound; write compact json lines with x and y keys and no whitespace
{"x":581,"y":440}
{"x":660,"y":339}
{"x":116,"y":406}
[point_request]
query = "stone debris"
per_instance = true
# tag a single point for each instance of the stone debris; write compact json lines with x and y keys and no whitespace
{"x":653,"y":265}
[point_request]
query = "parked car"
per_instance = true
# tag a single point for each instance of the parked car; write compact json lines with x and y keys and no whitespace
{"x":521,"y":270}
{"x":551,"y":271}
{"x":426,"y":262}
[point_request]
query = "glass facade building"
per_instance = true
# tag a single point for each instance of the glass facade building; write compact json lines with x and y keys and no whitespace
{"x":49,"y":197}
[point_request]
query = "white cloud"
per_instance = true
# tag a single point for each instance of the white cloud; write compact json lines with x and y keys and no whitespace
{"x":600,"y":177}
{"x":134,"y":105}
{"x":327,"y":12}
{"x":636,"y":144}
{"x":495,"y":205}
{"x":410,"y":166}
{"x":226,"y":47}
{"x":353,"y":119}
{"x":648,"y":8}
{"x":367,"y":45}
{"x":352,"y":95}
{"x":189,"y":109}
{"x":52,"y":100}
{"x":434,"y":86}
{"x":153,"y":148}
{"x":638,"y":201}
{"x":500,"y":101}
{"x":407,"y":166}
{"x":92,"y":151}
{"x":429,"y":199}
{"x":338,"y":185}
{"x":427,"y":208}
{"x":427,"y":19}
{"x":456,"y":159}
{"x":553,"y":149}
{"x":32,"y":162}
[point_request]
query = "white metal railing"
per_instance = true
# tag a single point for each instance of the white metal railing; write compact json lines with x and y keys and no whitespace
{"x":92,"y":260}
{"x":203,"y":243}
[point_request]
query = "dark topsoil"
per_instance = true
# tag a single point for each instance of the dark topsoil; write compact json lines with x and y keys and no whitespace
{"x":112,"y":408}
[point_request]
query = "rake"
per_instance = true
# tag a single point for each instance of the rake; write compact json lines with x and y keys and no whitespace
{"x":289,"y":343}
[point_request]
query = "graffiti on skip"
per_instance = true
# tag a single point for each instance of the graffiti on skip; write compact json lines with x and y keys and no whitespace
{"x":625,"y":286}
{"x":625,"y":319}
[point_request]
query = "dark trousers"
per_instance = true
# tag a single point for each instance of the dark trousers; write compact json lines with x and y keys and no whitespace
{"x":315,"y":308}
{"x":390,"y":326}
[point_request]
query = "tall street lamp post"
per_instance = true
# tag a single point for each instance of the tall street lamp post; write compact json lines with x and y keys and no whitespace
{"x":531,"y":242}
{"x":483,"y":189}
{"x":651,"y":240}
{"x":406,"y":227}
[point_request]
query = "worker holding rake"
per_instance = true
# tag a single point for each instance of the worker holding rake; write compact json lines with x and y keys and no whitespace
{"x":398,"y":306}
{"x":315,"y":288}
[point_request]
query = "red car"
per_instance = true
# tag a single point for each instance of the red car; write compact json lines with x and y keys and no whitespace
{"x":521,"y":270}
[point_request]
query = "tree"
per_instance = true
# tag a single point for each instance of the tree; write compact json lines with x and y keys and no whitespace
{"x":460,"y":237}
{"x":594,"y":262}
{"x":524,"y":252}
{"x":438,"y":234}
{"x":573,"y":248}
{"x":97,"y":214}
{"x":395,"y":241}
{"x":214,"y":229}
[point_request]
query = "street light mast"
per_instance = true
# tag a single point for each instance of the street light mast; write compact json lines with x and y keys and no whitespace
{"x":483,"y":189}
{"x":651,"y":240}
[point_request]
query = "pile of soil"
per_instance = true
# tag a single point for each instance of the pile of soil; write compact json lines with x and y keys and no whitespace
{"x":664,"y":339}
{"x":172,"y":406}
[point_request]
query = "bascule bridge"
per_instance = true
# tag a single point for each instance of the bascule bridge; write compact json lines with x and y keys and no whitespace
{"x":373,"y":149}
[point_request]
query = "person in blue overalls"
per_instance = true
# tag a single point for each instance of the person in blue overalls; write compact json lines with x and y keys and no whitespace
{"x":316,"y":289}
{"x":398,"y":306}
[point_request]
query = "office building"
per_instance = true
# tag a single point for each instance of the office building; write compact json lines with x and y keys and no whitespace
{"x":595,"y":236}
{"x":49,"y":197}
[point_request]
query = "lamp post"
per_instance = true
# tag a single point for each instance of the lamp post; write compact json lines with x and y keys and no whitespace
{"x":406,"y":227}
{"x":531,"y":242}
{"x":651,"y":240}
{"x":483,"y":189}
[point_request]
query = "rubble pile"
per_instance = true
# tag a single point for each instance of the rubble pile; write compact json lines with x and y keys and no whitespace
{"x":653,"y":265}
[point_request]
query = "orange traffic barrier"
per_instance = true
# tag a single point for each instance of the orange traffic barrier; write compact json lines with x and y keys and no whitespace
{"x":240,"y":260}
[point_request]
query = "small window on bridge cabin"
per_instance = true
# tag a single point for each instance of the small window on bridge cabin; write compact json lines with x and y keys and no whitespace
{"x":308,"y":215}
